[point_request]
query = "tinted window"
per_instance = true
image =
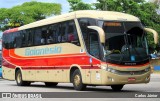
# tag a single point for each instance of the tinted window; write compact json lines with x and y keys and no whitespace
{"x":62,"y":36}
{"x":37,"y":36}
{"x":17,"y":40}
{"x":84,"y":22}
{"x":54,"y":30}
{"x":24,"y":36}
{"x":30,"y":37}
{"x":72,"y":33}
{"x":94,"y":48}
{"x":4,"y":41}
{"x":51,"y":34}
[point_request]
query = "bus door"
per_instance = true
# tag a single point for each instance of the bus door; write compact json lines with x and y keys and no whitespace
{"x":94,"y":51}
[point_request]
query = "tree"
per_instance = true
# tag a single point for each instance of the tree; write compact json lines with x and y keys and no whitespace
{"x":26,"y":13}
{"x":79,"y":5}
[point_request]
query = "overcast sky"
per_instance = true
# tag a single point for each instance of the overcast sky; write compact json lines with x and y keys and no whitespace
{"x":64,"y":3}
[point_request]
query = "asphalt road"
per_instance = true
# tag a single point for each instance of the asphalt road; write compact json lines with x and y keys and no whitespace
{"x":153,"y":86}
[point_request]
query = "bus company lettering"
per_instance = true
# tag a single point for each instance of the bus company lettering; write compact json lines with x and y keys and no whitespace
{"x":42,"y":51}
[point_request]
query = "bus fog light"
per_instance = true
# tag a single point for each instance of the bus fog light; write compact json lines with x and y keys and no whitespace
{"x":147,"y":69}
{"x":147,"y":78}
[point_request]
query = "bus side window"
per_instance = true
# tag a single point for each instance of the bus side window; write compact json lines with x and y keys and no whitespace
{"x":11,"y":40}
{"x":94,"y":48}
{"x":24,"y":36}
{"x":30,"y":37}
{"x":84,"y":22}
{"x":37,"y":37}
{"x":62,"y":36}
{"x":49,"y":36}
{"x":72,"y":33}
{"x":54,"y":33}
{"x":18,"y":40}
{"x":44,"y":36}
{"x":6,"y":41}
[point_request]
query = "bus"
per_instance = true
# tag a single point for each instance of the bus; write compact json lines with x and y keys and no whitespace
{"x":86,"y":48}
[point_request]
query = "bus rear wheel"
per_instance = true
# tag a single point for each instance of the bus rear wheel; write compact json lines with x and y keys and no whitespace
{"x":50,"y":84}
{"x":19,"y":80}
{"x":77,"y":81}
{"x":117,"y":87}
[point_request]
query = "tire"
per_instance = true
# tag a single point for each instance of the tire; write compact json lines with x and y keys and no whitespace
{"x":50,"y":84}
{"x":77,"y":81}
{"x":19,"y":80}
{"x":117,"y":87}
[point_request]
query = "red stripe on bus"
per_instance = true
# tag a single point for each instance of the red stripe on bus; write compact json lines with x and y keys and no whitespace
{"x":90,"y":67}
{"x":10,"y":30}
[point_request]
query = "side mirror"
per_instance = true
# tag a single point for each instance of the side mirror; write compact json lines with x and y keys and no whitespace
{"x":100,"y":32}
{"x":155,"y":34}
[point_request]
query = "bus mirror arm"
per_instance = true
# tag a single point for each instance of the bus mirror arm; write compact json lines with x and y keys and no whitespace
{"x":100,"y":32}
{"x":155,"y":34}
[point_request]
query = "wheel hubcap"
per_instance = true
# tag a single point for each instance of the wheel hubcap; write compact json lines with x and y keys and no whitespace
{"x":77,"y":80}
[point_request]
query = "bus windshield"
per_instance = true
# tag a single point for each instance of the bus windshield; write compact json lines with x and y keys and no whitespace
{"x":125,"y":43}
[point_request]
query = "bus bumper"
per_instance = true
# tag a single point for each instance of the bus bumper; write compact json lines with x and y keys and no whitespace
{"x":109,"y":78}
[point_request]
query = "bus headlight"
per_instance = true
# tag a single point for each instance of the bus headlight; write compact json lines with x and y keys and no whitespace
{"x":147,"y":69}
{"x":111,"y":70}
{"x":108,"y":69}
{"x":104,"y":67}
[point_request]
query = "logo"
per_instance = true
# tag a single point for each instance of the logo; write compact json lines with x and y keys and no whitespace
{"x":21,"y":95}
{"x":6,"y":95}
{"x":130,"y":64}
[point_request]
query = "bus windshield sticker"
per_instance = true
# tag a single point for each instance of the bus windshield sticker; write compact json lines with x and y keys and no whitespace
{"x":81,"y":50}
{"x":132,"y":58}
{"x":90,"y":60}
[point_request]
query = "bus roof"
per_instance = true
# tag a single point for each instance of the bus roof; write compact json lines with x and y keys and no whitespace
{"x":101,"y":15}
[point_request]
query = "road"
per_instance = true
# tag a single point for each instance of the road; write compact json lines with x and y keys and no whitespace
{"x":10,"y":86}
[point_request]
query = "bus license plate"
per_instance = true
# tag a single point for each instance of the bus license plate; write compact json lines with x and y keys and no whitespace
{"x":131,"y":79}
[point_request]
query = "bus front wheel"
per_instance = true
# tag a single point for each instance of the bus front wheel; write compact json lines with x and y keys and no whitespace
{"x":117,"y":87}
{"x":77,"y":81}
{"x":19,"y":80}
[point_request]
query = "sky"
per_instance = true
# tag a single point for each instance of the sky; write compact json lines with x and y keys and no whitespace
{"x":64,"y":3}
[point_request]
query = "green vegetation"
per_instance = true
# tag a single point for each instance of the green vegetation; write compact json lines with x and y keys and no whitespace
{"x":79,"y":5}
{"x":26,"y":13}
